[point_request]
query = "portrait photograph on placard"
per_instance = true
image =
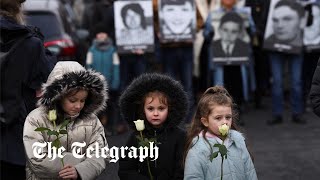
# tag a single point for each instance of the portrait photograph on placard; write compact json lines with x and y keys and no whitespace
{"x":134,"y":26}
{"x":286,"y":20}
{"x":177,"y":20}
{"x":231,"y":43}
{"x":311,"y":38}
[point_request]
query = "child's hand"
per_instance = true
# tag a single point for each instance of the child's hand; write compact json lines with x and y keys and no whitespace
{"x":68,"y":172}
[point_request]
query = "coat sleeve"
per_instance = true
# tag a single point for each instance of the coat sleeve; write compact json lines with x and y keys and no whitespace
{"x":128,"y":167}
{"x":250,"y":171}
{"x":194,"y":165}
{"x":315,"y":90}
{"x":44,"y":167}
{"x":92,"y":167}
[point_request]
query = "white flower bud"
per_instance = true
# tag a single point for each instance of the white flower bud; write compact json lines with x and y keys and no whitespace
{"x":52,"y":115}
{"x":224,"y":129}
{"x":139,"y":124}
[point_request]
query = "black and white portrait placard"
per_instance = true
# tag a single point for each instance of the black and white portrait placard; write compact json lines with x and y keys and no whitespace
{"x":177,"y":20}
{"x":134,"y":26}
{"x":231,"y":43}
{"x":311,"y":38}
{"x":286,"y":20}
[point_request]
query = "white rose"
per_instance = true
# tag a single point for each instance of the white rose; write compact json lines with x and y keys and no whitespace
{"x":52,"y":115}
{"x":139,"y":124}
{"x":224,"y":129}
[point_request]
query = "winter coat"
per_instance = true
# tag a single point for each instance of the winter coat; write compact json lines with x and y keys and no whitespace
{"x":170,"y":138}
{"x":237,"y":166}
{"x":86,"y":127}
{"x":102,"y":57}
{"x":315,"y":90}
{"x":24,"y":68}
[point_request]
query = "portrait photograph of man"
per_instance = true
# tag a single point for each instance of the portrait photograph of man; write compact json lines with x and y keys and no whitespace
{"x":177,"y":20}
{"x":231,"y":43}
{"x":134,"y":26}
{"x":286,"y":20}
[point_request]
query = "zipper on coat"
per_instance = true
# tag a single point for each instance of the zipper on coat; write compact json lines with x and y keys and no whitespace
{"x":156,"y":142}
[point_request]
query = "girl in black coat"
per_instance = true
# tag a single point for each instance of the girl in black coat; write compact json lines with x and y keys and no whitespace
{"x":162,"y":103}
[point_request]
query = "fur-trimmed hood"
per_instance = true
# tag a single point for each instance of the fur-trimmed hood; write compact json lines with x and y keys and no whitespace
{"x":131,"y":98}
{"x":68,"y":75}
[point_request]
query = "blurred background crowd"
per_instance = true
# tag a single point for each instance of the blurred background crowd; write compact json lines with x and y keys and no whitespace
{"x":78,"y":29}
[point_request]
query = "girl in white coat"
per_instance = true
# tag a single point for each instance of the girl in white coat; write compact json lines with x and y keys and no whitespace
{"x":76,"y":95}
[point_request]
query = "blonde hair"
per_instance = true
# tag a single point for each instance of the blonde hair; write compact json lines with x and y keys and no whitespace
{"x":12,"y":9}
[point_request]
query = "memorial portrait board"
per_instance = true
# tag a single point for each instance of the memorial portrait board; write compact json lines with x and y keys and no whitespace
{"x":231,"y":42}
{"x":311,"y":33}
{"x":177,"y":20}
{"x":286,"y":21}
{"x":134,"y":26}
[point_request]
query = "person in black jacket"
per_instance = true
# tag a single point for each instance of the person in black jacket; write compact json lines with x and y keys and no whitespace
{"x":315,"y":91}
{"x":163,"y":104}
{"x":25,"y":65}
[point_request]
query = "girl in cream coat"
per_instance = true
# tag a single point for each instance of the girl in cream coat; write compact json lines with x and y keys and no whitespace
{"x":77,"y":95}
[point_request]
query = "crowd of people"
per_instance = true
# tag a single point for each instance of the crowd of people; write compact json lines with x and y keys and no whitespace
{"x":189,"y":87}
{"x":255,"y":51}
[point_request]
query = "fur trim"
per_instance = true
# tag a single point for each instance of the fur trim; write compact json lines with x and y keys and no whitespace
{"x":131,"y":98}
{"x":58,"y":86}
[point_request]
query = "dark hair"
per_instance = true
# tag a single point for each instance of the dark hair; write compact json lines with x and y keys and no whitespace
{"x":175,"y":2}
{"x":100,"y":27}
{"x":292,"y":5}
{"x":232,"y":17}
{"x":136,"y":8}
{"x":216,"y":95}
{"x":12,"y":9}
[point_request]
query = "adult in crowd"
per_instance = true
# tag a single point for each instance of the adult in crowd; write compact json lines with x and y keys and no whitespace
{"x":201,"y":62}
{"x":286,"y":19}
{"x":25,"y":65}
{"x":177,"y":57}
{"x":259,"y":12}
{"x":234,"y":77}
{"x":311,"y":41}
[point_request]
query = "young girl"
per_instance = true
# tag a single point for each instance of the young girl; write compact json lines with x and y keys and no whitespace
{"x":162,"y":103}
{"x":76,"y":95}
{"x":216,"y":108}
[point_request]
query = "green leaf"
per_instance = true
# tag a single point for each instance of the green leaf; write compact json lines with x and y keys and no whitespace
{"x":217,"y":145}
{"x":50,"y":132}
{"x":152,"y":140}
{"x":64,"y":124}
{"x":42,"y":129}
{"x":56,"y":143}
{"x":214,"y":155}
{"x":223,"y":150}
{"x":143,"y":144}
{"x":139,"y":138}
{"x":62,"y":131}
